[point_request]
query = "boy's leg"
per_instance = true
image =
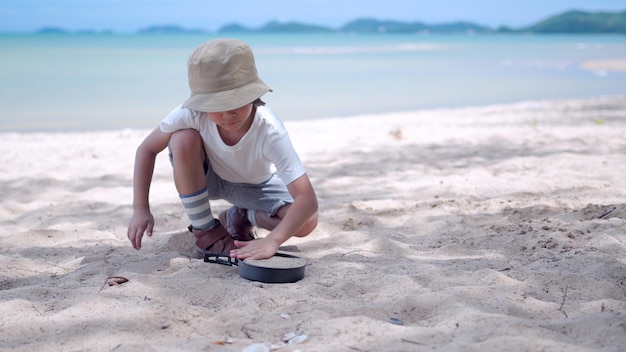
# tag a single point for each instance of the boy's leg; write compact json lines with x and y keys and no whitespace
{"x":264,"y":204}
{"x":187,"y":157}
{"x":270,"y":222}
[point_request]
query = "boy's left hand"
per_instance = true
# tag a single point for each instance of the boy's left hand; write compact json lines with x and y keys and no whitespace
{"x":261,"y":248}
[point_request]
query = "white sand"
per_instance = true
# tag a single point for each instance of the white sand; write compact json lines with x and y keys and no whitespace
{"x":478,"y":229}
{"x":616,"y":65}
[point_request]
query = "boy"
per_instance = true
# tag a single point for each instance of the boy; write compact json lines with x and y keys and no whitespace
{"x":225,"y":144}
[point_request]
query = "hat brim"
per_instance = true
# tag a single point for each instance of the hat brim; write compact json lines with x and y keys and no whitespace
{"x":227,"y":100}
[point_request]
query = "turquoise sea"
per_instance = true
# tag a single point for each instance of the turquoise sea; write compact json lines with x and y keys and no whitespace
{"x":115,"y":81}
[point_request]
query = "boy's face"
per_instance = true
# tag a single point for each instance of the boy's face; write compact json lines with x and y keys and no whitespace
{"x":233,"y":120}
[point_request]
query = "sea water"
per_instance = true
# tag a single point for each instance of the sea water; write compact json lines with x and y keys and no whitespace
{"x":114,"y":81}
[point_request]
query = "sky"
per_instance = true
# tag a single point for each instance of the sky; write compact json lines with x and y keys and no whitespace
{"x":131,"y":15}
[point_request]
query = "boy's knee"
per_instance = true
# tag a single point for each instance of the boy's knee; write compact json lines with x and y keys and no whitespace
{"x":308,"y":226}
{"x":185,"y":143}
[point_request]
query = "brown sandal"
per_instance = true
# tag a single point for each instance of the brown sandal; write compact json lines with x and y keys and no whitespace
{"x":215,"y":240}
{"x":236,"y":221}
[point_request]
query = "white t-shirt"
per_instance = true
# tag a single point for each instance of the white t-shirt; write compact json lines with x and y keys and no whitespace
{"x":264,"y":150}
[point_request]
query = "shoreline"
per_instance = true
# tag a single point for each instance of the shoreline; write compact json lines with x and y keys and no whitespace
{"x":485,"y":228}
{"x":594,"y":65}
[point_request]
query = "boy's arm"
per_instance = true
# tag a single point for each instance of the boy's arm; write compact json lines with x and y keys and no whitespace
{"x":304,"y":206}
{"x":302,"y":209}
{"x":142,"y":220}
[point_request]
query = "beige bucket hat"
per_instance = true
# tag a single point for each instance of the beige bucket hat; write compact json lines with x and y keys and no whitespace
{"x":223,"y":76}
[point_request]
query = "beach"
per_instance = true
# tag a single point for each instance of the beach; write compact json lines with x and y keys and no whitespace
{"x":490,"y":228}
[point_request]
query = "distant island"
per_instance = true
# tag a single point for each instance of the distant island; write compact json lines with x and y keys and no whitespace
{"x":577,"y":22}
{"x":582,"y":22}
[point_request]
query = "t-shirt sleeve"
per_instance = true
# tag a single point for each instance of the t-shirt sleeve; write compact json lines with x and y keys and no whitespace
{"x":179,"y":119}
{"x":284,"y":157}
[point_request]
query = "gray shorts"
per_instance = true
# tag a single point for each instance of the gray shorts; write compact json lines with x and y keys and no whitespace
{"x":268,"y":196}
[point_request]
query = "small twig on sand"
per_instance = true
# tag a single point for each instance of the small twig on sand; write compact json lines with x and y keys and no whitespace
{"x":356,"y":251}
{"x":117,"y":280}
{"x":40,"y":313}
{"x":411,"y":341}
{"x":607,"y":212}
{"x":563,"y":302}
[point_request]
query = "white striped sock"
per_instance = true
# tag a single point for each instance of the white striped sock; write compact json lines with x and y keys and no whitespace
{"x":198,"y":209}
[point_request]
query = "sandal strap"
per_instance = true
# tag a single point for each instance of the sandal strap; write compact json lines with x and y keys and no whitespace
{"x":217,"y":239}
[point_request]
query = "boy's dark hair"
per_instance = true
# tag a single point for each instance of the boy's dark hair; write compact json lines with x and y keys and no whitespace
{"x":258,"y":102}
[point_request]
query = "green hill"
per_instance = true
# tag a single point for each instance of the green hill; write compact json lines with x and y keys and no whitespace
{"x":581,"y":22}
{"x":569,"y":22}
{"x":168,"y":29}
{"x":292,"y":27}
{"x":365,"y":25}
{"x":276,"y":27}
{"x":368,"y":25}
{"x":576,"y":22}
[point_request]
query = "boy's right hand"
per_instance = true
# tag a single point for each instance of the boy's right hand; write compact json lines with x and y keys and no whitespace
{"x":140,"y":222}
